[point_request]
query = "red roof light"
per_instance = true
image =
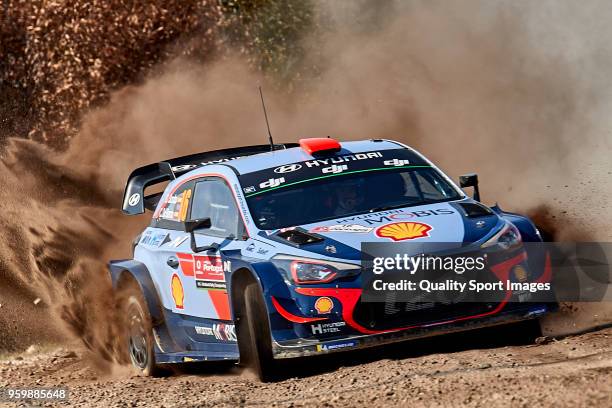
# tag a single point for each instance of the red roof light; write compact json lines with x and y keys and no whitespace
{"x":319,"y":144}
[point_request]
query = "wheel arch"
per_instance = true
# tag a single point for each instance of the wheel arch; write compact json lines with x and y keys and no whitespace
{"x":124,"y":272}
{"x":525,"y":225}
{"x":239,"y":281}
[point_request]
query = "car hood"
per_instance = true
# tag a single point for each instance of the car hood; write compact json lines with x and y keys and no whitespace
{"x":455,"y":222}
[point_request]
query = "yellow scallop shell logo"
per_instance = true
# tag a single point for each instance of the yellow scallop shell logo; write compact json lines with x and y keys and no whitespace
{"x":401,"y":231}
{"x":177,"y":291}
{"x":520,"y":273}
{"x":324,"y":305}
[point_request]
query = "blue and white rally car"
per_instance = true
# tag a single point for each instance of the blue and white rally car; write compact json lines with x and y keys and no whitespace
{"x":253,"y":253}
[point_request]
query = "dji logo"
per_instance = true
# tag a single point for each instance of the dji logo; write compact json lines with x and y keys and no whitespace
{"x":273,"y":182}
{"x":396,"y":162}
{"x":335,"y":169}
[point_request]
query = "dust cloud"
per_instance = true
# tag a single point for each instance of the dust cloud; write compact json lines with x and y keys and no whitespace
{"x":518,"y":92}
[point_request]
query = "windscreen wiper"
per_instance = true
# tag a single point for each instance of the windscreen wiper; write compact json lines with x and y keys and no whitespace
{"x":387,"y":207}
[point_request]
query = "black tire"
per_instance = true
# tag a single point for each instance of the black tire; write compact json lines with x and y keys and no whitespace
{"x":138,"y":331}
{"x":523,"y":332}
{"x":546,"y":234}
{"x":254,"y":339}
{"x":533,"y":330}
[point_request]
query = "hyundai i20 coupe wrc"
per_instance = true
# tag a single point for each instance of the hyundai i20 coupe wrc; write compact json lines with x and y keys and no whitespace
{"x":253,"y":254}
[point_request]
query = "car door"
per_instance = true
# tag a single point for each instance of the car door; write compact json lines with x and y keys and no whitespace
{"x":204,"y":275}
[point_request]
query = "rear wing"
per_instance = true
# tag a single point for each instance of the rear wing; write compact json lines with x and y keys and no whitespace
{"x":134,"y":201}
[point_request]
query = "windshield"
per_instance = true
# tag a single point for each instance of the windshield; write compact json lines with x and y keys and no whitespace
{"x":340,"y":195}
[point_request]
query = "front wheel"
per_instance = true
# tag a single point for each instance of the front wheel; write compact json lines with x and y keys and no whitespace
{"x":254,"y":339}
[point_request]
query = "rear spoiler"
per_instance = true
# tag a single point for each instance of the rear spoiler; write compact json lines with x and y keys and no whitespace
{"x":134,"y":201}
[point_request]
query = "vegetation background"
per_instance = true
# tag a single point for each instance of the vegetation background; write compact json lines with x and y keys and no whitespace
{"x":60,"y":58}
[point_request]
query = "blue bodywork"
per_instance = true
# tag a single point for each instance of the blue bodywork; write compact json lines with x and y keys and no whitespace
{"x":190,"y":295}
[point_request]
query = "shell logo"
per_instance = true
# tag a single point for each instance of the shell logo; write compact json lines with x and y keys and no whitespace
{"x":401,"y":231}
{"x":324,"y":305}
{"x":520,"y":273}
{"x":178,"y":294}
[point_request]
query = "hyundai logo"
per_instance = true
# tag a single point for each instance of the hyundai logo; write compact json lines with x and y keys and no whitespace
{"x":288,"y":168}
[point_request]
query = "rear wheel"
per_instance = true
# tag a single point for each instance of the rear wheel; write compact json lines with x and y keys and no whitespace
{"x":254,"y":339}
{"x":138,"y":331}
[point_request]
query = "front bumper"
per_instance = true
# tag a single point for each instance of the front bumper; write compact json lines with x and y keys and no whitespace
{"x":308,"y":347}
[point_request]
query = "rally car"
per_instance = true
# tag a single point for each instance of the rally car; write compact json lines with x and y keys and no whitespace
{"x":253,"y":254}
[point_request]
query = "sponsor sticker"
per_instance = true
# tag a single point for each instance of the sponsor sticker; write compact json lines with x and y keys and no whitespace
{"x":220,"y":331}
{"x":400,"y":231}
{"x":146,"y":239}
{"x":520,"y":273}
{"x":331,"y":249}
{"x":335,"y":346}
{"x":343,"y":159}
{"x":394,"y":215}
{"x":178,"y":241}
{"x":273,"y":182}
{"x":186,"y":167}
{"x":209,"y":272}
{"x":176,"y":207}
{"x":208,"y":268}
{"x":254,"y":249}
{"x":396,"y":162}
{"x":334,"y":169}
{"x":342,"y":228}
{"x":200,"y":284}
{"x":134,"y":199}
{"x":537,"y":311}
{"x":242,"y":204}
{"x":324,"y":328}
{"x":324,"y":305}
{"x":155,"y":240}
{"x":288,"y":168}
{"x":178,"y":294}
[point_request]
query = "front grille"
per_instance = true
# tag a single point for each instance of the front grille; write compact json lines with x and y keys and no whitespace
{"x":391,"y":315}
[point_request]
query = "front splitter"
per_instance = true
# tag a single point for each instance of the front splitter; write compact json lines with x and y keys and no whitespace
{"x":308,"y":347}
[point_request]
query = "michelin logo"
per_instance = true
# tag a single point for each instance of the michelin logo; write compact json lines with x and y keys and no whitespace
{"x":335,"y":346}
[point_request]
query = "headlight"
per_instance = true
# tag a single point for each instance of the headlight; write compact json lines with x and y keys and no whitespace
{"x":311,"y":271}
{"x":508,"y":237}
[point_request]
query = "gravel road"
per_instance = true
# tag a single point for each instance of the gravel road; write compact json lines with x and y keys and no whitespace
{"x":490,"y":366}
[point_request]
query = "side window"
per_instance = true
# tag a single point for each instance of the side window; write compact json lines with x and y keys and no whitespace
{"x":425,"y":185}
{"x":212,"y":198}
{"x":173,"y":212}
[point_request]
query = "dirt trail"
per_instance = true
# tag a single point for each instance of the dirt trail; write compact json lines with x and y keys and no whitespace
{"x":485,"y":88}
{"x":470,"y":369}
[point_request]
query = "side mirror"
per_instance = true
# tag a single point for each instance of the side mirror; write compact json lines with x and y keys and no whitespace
{"x":470,"y":180}
{"x":194,"y":225}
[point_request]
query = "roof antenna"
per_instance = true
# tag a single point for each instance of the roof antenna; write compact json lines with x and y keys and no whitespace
{"x":266,"y":116}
